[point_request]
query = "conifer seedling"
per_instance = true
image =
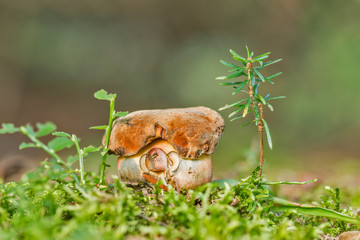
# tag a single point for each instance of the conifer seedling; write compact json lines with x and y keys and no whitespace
{"x":253,"y":101}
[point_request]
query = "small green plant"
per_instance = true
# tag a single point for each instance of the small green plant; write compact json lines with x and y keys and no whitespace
{"x":52,"y":147}
{"x":254,"y":101}
{"x":81,"y":152}
{"x":103,"y":95}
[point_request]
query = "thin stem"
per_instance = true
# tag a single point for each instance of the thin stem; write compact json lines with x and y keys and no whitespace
{"x":81,"y":157}
{"x":260,"y":123}
{"x":260,"y":126}
{"x":107,"y":140}
{"x":50,"y":151}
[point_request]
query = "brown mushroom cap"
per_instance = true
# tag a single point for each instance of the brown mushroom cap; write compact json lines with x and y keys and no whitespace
{"x":192,"y":131}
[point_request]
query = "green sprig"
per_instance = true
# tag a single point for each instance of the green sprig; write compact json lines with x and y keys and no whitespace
{"x":103,"y":95}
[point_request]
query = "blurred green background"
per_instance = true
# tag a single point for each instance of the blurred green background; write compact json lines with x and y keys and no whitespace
{"x":159,"y":54}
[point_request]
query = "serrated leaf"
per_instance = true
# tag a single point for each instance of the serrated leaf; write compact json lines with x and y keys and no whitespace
{"x":240,"y":87}
{"x":60,"y":143}
{"x":45,"y":129}
{"x":27,"y":145}
{"x":91,"y":149}
{"x":231,"y":105}
{"x":8,"y":128}
{"x":103,"y":95}
{"x":102,"y":127}
{"x":237,"y":56}
{"x":229,"y":64}
{"x":268,"y":135}
{"x":61,"y":134}
{"x":121,"y":114}
{"x":259,"y":75}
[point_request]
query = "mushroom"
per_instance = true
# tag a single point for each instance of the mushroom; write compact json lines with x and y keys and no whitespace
{"x":172,"y":145}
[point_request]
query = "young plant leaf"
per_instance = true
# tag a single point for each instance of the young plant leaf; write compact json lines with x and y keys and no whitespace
{"x":252,"y":77}
{"x":262,"y":100}
{"x":246,"y":109}
{"x":268,"y":135}
{"x":256,"y":88}
{"x":271,"y":62}
{"x":45,"y":129}
{"x":27,"y":145}
{"x":29,"y":129}
{"x":240,"y":87}
{"x":273,"y":98}
{"x":102,"y":127}
{"x":237,"y":56}
{"x":270,"y":107}
{"x":259,"y":75}
{"x":247,"y":51}
{"x":236,"y":118}
{"x":90,"y":148}
{"x":8,"y":128}
{"x":60,"y":143}
{"x":273,"y":76}
{"x":121,"y":114}
{"x":229,"y":83}
{"x":233,"y":75}
{"x":61,"y":134}
{"x":259,"y":57}
{"x":103,"y":95}
{"x":229,"y":64}
{"x":257,"y":115}
{"x":236,"y":111}
{"x":244,"y":125}
{"x":232,"y":105}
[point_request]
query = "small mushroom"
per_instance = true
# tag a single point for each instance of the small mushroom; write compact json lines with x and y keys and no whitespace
{"x":172,"y":145}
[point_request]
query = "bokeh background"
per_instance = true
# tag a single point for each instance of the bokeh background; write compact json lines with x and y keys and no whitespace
{"x":159,"y":54}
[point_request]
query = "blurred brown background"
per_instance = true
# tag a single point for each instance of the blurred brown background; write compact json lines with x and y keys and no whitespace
{"x":157,"y":54}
